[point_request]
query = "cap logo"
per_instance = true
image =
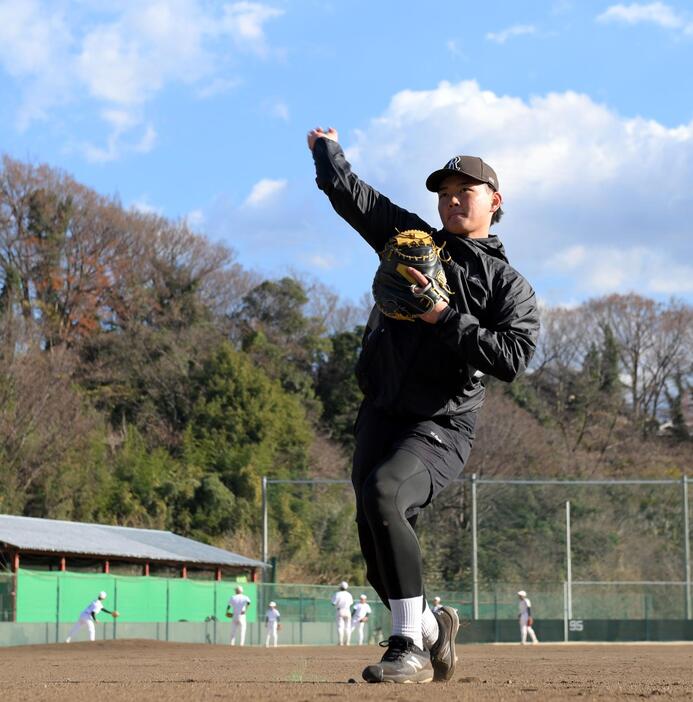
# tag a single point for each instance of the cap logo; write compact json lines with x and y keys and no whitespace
{"x":453,"y":164}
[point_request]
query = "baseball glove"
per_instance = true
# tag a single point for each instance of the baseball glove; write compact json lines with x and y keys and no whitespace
{"x":395,"y":292}
{"x":115,"y":613}
{"x":229,"y":615}
{"x":530,"y":621}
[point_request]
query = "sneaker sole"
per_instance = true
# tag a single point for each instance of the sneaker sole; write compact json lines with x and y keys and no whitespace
{"x":442,"y":672}
{"x":374,"y":674}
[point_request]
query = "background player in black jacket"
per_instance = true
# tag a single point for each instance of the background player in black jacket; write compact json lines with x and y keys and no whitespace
{"x":423,"y":389}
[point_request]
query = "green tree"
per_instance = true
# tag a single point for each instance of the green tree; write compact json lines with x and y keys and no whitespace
{"x":243,"y":425}
{"x":337,"y":388}
{"x":281,"y":339}
{"x":679,"y":425}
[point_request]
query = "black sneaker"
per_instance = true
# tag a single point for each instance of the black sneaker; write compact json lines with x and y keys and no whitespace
{"x":403,"y":662}
{"x":443,"y":656}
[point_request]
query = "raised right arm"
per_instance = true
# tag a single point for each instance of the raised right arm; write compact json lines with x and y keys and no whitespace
{"x":371,"y":214}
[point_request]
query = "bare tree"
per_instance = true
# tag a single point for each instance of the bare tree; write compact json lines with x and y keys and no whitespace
{"x":654,"y":343}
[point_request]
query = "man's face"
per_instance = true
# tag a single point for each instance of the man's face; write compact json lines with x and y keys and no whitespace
{"x":466,"y":206}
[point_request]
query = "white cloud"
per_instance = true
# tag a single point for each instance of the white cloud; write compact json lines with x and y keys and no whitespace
{"x":31,"y":36}
{"x":35,"y":45}
{"x":195,"y":219}
{"x":153,"y":43}
{"x":578,"y":180}
{"x":605,"y":269}
{"x":514,"y":31}
{"x":120,"y":56}
{"x":147,"y":141}
{"x":123,"y":137}
{"x":218,"y":86}
{"x":322,"y":261}
{"x":244,"y":22}
{"x":145,"y":207}
{"x":569,"y":259}
{"x":280,"y":110}
{"x":595,"y":202}
{"x":264,"y":190}
{"x":652,"y":13}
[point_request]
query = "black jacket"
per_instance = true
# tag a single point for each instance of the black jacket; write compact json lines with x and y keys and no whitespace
{"x":491,"y":326}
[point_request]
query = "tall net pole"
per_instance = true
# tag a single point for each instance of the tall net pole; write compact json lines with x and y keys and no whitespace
{"x":568,"y":561}
{"x":686,"y":546}
{"x":264,"y":520}
{"x":475,"y":548}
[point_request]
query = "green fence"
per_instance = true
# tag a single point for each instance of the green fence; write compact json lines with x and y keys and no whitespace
{"x":6,"y":597}
{"x":48,"y":603}
{"x":60,"y":597}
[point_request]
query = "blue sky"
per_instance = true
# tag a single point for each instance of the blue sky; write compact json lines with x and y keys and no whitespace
{"x":199,"y":109}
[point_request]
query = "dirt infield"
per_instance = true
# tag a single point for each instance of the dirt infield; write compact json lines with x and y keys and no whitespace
{"x":151,"y":670}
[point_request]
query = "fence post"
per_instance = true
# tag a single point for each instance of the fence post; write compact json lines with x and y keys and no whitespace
{"x":475,"y":569}
{"x":57,"y":609}
{"x":569,"y":562}
{"x":264,"y":520}
{"x":168,"y":600}
{"x":115,"y":606}
{"x":496,"y":625}
{"x":686,"y":545}
{"x":214,"y":617}
{"x":565,"y":611}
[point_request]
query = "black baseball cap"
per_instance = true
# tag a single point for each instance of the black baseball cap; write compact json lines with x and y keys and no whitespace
{"x":471,"y":166}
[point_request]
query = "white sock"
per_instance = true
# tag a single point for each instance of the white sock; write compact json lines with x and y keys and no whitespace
{"x":406,"y":618}
{"x":429,"y":627}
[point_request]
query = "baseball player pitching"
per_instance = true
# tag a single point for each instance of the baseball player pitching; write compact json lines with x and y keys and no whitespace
{"x":525,"y":618}
{"x":236,"y":609}
{"x":449,"y":310}
{"x":342,"y":601}
{"x":88,"y":617}
{"x":359,"y":618}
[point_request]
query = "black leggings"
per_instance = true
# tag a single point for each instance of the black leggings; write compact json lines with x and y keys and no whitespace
{"x":400,"y":465}
{"x":388,"y":542}
{"x":391,"y":485}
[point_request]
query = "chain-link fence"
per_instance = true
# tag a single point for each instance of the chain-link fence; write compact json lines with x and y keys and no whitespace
{"x":488,"y":530}
{"x":576,"y":564}
{"x":46,"y":607}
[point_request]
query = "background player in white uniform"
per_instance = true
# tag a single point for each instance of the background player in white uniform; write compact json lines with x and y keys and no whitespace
{"x":359,"y":618}
{"x":525,"y":618}
{"x":272,"y":618}
{"x":239,"y":603}
{"x":436,"y":607}
{"x":342,"y":600}
{"x":88,"y":618}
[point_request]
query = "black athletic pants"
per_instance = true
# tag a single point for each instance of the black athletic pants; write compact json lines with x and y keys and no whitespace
{"x":392,"y":479}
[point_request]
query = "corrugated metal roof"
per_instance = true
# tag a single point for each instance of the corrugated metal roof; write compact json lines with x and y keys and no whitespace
{"x":54,"y":536}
